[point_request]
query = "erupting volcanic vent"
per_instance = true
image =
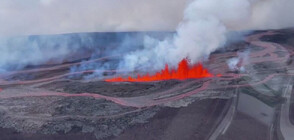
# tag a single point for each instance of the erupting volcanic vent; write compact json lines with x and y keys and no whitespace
{"x":183,"y":72}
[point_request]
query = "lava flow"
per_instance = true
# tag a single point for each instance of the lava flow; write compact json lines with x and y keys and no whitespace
{"x":183,"y":72}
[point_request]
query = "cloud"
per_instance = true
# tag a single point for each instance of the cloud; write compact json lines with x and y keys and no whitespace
{"x":46,"y":2}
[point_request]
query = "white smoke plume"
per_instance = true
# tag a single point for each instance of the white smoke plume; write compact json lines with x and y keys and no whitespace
{"x":238,"y":63}
{"x":204,"y":28}
{"x":19,"y":52}
{"x":201,"y":29}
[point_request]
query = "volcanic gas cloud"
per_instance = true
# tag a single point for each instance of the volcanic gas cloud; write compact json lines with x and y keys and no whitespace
{"x":184,"y":71}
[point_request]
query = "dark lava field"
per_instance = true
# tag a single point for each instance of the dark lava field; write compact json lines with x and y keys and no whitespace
{"x":252,"y":101}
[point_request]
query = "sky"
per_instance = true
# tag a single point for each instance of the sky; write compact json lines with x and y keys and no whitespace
{"x":19,"y":17}
{"x":30,"y":17}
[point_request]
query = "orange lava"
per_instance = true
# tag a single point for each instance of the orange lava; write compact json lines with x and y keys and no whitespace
{"x":183,"y":72}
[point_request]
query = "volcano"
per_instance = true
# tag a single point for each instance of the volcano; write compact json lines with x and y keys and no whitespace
{"x":184,"y":71}
{"x":53,"y":101}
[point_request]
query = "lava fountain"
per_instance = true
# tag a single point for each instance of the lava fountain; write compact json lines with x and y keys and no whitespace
{"x":184,"y":71}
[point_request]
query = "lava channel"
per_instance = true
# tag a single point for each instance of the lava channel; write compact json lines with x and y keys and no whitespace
{"x":183,"y":72}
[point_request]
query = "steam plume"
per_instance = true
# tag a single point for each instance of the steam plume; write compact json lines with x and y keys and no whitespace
{"x":237,"y":63}
{"x":204,"y":28}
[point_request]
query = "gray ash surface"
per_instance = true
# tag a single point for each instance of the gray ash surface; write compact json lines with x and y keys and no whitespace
{"x":125,"y":89}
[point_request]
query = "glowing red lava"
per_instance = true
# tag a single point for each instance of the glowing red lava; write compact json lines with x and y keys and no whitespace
{"x":183,"y":72}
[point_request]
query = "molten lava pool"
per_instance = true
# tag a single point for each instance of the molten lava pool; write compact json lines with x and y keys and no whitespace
{"x":184,"y":71}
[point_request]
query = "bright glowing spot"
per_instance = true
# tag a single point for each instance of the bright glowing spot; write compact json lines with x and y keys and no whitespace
{"x":183,"y":72}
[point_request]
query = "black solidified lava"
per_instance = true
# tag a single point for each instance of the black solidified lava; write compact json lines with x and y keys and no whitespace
{"x":124,"y":89}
